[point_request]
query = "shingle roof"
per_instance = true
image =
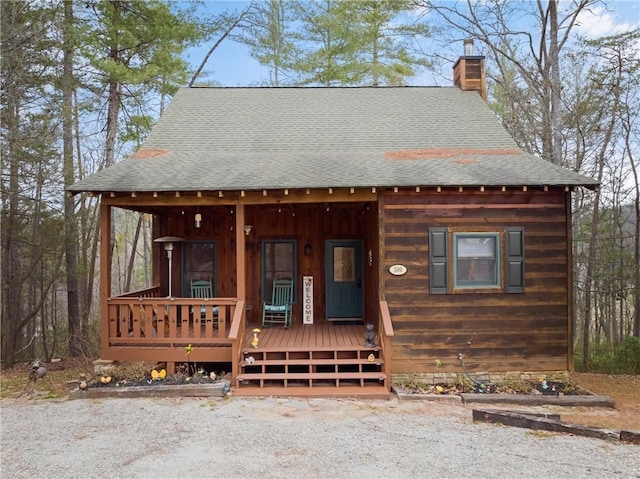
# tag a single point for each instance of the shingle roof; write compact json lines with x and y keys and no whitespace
{"x":264,"y":138}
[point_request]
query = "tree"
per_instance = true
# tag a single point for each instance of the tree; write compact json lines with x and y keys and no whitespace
{"x":383,"y":45}
{"x":613,"y":74}
{"x":327,"y":41}
{"x":31,"y":221}
{"x":226,"y":24}
{"x":534,"y":59}
{"x":365,"y":42}
{"x":58,"y":61}
{"x":266,"y":30}
{"x":70,"y":226}
{"x":133,"y":48}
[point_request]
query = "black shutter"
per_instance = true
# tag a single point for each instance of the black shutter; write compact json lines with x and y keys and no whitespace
{"x":438,"y":261}
{"x":515,"y":260}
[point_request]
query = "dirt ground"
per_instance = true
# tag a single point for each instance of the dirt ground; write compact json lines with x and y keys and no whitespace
{"x":624,"y":390}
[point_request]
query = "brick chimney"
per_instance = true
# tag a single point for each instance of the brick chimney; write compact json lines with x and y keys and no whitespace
{"x":468,"y":72}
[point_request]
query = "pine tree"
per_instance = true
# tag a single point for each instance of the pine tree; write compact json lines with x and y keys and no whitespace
{"x":266,"y":30}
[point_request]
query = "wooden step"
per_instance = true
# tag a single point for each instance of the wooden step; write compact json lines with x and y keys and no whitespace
{"x":328,"y":371}
{"x":313,"y":376}
{"x":373,"y":391}
{"x":310,"y":380}
{"x":311,"y":362}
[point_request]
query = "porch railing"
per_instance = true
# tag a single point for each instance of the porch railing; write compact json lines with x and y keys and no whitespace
{"x":151,"y":292}
{"x":155,"y":321}
{"x":385,"y":333}
{"x":236,"y":334}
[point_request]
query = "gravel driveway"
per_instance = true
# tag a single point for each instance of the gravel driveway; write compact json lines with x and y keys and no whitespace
{"x":273,"y":437}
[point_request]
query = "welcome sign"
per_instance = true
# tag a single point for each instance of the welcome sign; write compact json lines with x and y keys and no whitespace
{"x":307,"y":300}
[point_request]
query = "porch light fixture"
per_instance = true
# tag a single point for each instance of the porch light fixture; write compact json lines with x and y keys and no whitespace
{"x":198,"y":220}
{"x":247,"y":230}
{"x":168,"y":247}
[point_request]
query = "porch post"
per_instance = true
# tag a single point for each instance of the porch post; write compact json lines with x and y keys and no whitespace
{"x":238,"y":342}
{"x":105,"y":274}
{"x":240,"y":254}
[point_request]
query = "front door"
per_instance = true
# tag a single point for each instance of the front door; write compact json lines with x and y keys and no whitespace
{"x":344,"y":291}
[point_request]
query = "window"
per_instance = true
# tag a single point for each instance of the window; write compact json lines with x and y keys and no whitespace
{"x":278,"y":262}
{"x":477,"y":258}
{"x":476,"y":261}
{"x":344,"y":259}
{"x":198,"y":262}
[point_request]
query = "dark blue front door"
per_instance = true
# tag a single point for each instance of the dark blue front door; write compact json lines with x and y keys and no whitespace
{"x":344,"y":290}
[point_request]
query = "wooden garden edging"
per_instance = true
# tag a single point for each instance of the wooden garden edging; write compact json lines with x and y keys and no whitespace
{"x":218,"y":389}
{"x":551,"y":422}
{"x":586,"y":400}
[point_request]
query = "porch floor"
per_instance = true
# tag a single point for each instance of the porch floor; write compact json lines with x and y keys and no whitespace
{"x":325,"y":335}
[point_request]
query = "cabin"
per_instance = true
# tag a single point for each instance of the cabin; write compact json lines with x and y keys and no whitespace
{"x":403,"y":226}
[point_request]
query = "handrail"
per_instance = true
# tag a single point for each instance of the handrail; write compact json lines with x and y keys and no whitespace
{"x":385,"y":340}
{"x":150,"y":292}
{"x":236,"y":321}
{"x":387,"y":325}
{"x":173,"y":300}
{"x":236,"y":335}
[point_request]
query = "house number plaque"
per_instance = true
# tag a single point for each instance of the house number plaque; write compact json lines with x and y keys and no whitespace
{"x":397,"y":269}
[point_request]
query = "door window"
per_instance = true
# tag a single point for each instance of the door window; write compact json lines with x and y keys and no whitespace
{"x":278,"y":262}
{"x":343,"y":262}
{"x":198,"y":262}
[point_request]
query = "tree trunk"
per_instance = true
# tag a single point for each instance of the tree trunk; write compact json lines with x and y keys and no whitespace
{"x":132,"y":257}
{"x":554,"y":74}
{"x":636,"y":252}
{"x":11,"y":284}
{"x":76,"y":342}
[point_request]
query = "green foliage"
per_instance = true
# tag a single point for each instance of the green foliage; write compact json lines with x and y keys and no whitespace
{"x":383,"y":45}
{"x":137,"y":127}
{"x":628,"y":355}
{"x":607,"y":359}
{"x":267,"y":33}
{"x":137,"y":45}
{"x":356,"y":43}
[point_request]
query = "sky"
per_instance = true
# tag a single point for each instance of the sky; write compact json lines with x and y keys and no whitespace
{"x":231,"y":65}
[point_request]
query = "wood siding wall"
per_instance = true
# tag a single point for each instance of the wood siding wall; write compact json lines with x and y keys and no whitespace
{"x":308,"y":224}
{"x":493,"y":331}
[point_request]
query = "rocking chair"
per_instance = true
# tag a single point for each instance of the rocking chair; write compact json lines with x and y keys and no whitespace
{"x":201,"y":289}
{"x":278,"y":310}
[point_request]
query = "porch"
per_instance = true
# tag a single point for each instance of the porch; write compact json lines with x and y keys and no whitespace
{"x":321,"y":359}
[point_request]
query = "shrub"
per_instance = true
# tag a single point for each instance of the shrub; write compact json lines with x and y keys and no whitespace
{"x":627,"y":356}
{"x":607,"y":359}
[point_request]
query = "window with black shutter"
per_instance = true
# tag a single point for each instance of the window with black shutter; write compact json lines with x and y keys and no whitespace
{"x":471,"y":261}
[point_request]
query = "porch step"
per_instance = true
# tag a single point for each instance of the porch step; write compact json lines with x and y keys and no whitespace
{"x":353,"y":392}
{"x":272,"y":354}
{"x":311,"y":377}
{"x":312,"y":362}
{"x":327,"y":371}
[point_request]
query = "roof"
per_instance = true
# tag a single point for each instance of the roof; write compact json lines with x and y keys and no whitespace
{"x":267,"y":138}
